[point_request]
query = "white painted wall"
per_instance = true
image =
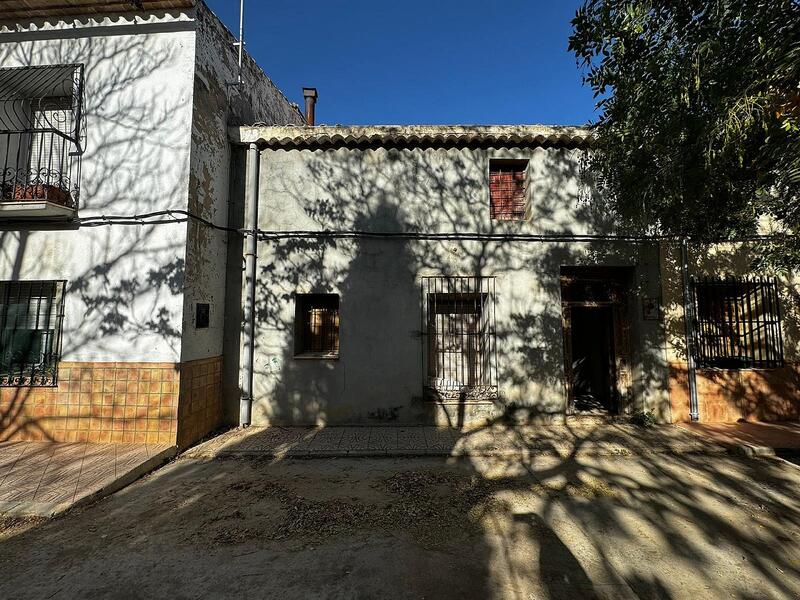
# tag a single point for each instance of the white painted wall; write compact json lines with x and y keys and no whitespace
{"x":158,"y":105}
{"x":125,"y":283}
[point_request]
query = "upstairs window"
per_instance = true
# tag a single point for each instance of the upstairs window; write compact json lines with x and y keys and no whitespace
{"x":31,"y":314}
{"x":317,"y":326}
{"x":41,"y":139}
{"x":737,"y":323}
{"x":508,"y":189}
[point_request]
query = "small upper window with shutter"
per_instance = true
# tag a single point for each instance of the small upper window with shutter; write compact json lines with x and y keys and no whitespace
{"x":508,"y":189}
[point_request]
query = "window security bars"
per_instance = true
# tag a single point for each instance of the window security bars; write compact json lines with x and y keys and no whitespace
{"x":737,"y":323}
{"x":460,"y":341}
{"x":508,"y":189}
{"x":31,"y":315}
{"x":317,"y":325}
{"x":41,"y":133}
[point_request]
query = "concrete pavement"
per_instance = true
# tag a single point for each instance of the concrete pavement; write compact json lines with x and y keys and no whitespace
{"x":496,"y":440}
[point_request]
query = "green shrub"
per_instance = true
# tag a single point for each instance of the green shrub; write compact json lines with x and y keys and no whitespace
{"x":644,"y":418}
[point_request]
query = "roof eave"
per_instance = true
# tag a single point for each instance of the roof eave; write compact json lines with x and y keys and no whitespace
{"x":325,"y":137}
{"x":18,"y":10}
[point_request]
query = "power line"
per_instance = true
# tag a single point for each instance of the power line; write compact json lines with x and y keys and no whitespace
{"x":183,"y":216}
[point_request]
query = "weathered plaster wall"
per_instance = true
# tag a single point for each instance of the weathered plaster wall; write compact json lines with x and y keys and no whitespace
{"x":216,"y":105}
{"x":125,"y":283}
{"x":379,"y":374}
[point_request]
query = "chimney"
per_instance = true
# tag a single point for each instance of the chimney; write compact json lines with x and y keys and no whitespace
{"x":310,"y":94}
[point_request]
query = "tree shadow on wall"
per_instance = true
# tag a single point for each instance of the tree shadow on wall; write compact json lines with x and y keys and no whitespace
{"x":375,"y":280}
{"x":589,"y":511}
{"x":767,"y":394}
{"x":434,"y":191}
{"x":124,"y":282}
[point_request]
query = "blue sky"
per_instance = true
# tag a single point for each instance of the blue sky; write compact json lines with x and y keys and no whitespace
{"x":414,"y":61}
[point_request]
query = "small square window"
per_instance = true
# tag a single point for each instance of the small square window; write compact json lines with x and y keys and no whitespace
{"x":508,"y":189}
{"x":202,"y":315}
{"x":317,"y":326}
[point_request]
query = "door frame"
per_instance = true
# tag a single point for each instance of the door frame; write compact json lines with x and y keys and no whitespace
{"x":620,"y":363}
{"x":613,"y":379}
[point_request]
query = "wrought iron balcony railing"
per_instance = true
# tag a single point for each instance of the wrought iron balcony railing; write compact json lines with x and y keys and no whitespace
{"x":41,"y":137}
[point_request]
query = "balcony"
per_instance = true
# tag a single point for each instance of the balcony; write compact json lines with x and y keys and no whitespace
{"x":41,"y":141}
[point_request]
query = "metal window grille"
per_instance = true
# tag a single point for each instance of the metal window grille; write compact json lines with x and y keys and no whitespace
{"x":508,"y":189}
{"x":41,"y":133}
{"x":460,"y":348}
{"x":737,"y":323}
{"x":31,"y":315}
{"x":317,"y":325}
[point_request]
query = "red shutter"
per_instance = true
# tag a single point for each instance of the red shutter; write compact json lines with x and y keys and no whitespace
{"x":507,"y":187}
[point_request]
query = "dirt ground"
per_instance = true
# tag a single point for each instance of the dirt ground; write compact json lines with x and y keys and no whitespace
{"x":659,"y":526}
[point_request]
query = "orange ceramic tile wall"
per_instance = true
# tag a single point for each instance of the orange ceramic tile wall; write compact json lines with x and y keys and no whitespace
{"x":200,"y":403}
{"x":725,"y":396}
{"x":115,"y":403}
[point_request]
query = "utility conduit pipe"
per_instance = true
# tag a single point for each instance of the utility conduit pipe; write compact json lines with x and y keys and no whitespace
{"x":251,"y":246}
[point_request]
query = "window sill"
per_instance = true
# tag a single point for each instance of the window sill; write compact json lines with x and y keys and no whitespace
{"x":28,"y":209}
{"x":316,"y":356}
{"x":510,"y":219}
{"x":456,"y":402}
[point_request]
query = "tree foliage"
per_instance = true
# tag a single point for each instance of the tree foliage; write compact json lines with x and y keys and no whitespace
{"x":699,"y":127}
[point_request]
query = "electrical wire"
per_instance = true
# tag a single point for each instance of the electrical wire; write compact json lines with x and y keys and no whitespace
{"x":182,"y":216}
{"x":165,"y":217}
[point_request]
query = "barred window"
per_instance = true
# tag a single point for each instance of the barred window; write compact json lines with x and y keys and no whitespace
{"x":41,"y":136}
{"x":737,"y":323}
{"x":31,"y":314}
{"x":460,"y":332}
{"x":508,"y":189}
{"x":317,"y":325}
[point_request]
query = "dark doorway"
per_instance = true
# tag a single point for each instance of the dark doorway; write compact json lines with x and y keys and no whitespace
{"x":593,"y":359}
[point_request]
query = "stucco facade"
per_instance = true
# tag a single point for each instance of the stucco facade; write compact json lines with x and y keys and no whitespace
{"x":158,"y":100}
{"x":418,"y":188}
{"x":370,"y":214}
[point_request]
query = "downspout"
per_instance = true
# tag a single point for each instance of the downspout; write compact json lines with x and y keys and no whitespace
{"x":246,"y":402}
{"x":688,"y":319}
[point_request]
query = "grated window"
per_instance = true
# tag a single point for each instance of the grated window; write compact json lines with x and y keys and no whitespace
{"x":41,"y":134}
{"x":460,"y":348}
{"x":737,"y":323}
{"x":31,"y":315}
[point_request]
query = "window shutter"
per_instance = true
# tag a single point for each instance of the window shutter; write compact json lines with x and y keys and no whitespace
{"x":508,"y":189}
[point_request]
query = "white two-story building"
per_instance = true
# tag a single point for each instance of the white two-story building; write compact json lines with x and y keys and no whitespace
{"x":113,"y":130}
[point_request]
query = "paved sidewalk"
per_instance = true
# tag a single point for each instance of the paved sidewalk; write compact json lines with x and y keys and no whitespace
{"x":751,"y":439}
{"x":555,"y":440}
{"x":47,"y":478}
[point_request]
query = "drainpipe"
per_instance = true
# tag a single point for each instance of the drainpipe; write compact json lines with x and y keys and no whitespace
{"x":246,"y":402}
{"x":688,"y":319}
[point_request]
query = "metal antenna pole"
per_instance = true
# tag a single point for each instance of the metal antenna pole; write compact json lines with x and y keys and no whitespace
{"x":240,"y":43}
